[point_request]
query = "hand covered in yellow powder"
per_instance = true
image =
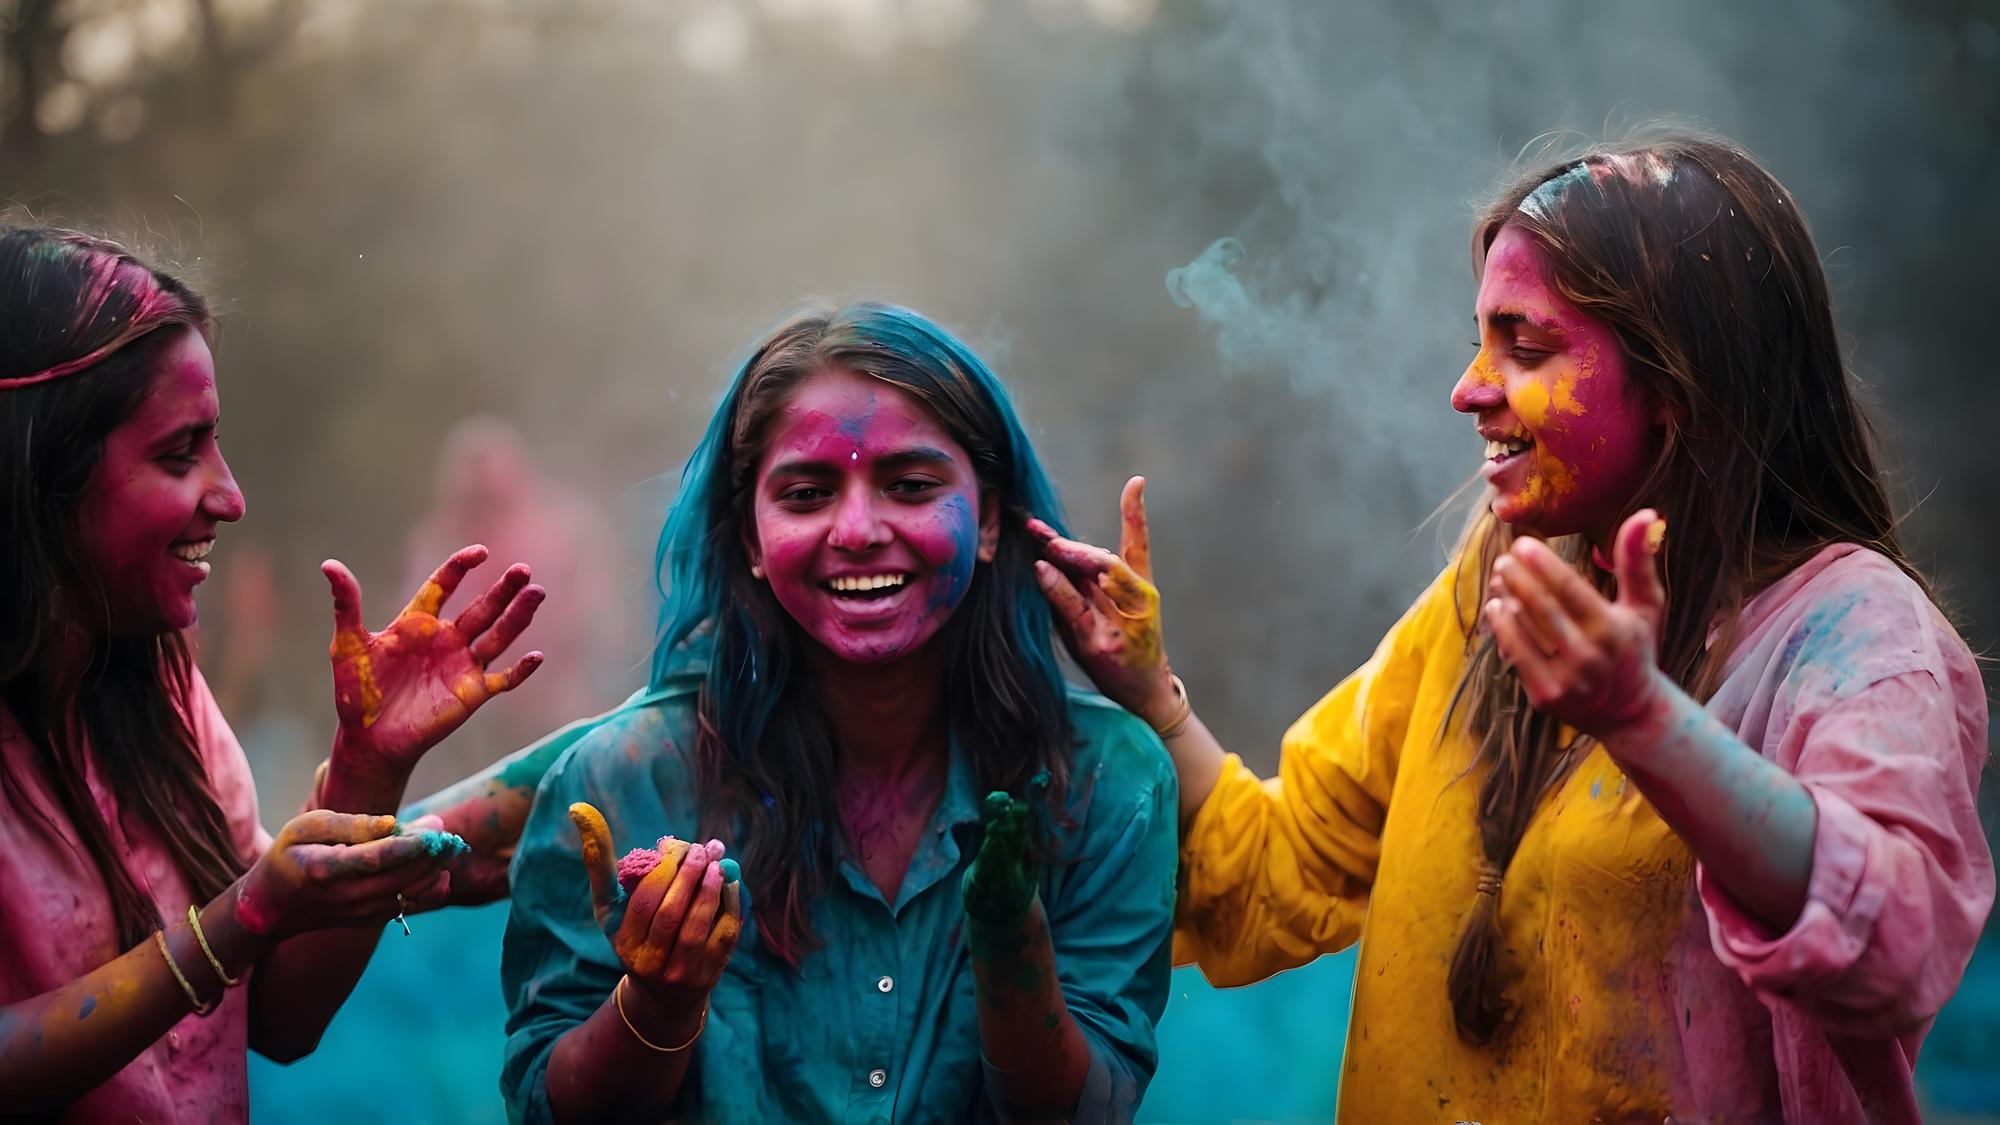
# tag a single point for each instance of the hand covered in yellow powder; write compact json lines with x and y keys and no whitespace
{"x":680,"y":923}
{"x":399,"y":692}
{"x":1110,"y":610}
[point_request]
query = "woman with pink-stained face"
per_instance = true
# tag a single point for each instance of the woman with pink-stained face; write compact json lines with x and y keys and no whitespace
{"x":1659,"y":803}
{"x":150,"y":930}
{"x":962,"y":868}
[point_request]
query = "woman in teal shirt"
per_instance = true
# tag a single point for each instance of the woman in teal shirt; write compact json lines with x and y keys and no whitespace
{"x":963,"y":868}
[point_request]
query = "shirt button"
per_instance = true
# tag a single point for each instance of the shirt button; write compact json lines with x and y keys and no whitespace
{"x":877,"y":1077}
{"x":885,"y":984}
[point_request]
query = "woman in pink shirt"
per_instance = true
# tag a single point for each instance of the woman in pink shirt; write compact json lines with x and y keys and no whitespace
{"x":137,"y":890}
{"x":1660,"y":801}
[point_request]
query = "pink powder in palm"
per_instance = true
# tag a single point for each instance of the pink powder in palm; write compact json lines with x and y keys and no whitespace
{"x":637,"y":864}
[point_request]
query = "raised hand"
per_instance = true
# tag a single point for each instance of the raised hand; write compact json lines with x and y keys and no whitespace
{"x":399,"y":692}
{"x":1110,"y":609}
{"x":329,"y":869}
{"x":1587,"y":661}
{"x":676,"y":930}
{"x":1000,"y":885}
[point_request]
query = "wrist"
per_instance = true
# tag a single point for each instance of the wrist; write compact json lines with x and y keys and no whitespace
{"x":359,"y":779}
{"x":250,"y":912}
{"x":1642,"y":725}
{"x":1166,"y":708}
{"x":662,"y":1019}
{"x":231,"y":942}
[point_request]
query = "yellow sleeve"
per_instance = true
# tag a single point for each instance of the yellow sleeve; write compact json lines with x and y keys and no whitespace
{"x":1277,"y":872}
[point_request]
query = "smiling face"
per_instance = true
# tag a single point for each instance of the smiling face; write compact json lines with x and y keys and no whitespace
{"x":868,"y":518}
{"x":149,"y":515}
{"x":1569,"y":436}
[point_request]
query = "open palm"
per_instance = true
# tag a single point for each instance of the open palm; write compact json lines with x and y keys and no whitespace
{"x":399,"y":692}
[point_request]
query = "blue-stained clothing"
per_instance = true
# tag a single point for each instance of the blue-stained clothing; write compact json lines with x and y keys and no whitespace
{"x":878,"y":1025}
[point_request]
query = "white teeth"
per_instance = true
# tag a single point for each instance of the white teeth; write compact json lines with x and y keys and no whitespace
{"x":867,"y":582}
{"x":1506,"y":448}
{"x":194,"y":552}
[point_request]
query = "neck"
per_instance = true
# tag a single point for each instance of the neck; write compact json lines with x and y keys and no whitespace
{"x":886,"y":719}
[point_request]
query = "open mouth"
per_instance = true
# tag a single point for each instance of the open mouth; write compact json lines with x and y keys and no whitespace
{"x":194,"y":552}
{"x":1497,"y":451}
{"x":866,"y":587}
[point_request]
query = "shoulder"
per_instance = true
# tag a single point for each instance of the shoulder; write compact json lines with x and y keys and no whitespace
{"x":1118,"y":757}
{"x":1851,"y":617}
{"x":643,"y":745}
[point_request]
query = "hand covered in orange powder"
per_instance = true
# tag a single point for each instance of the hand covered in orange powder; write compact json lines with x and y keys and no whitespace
{"x":1585,"y":660}
{"x":399,"y":692}
{"x":1110,"y":610}
{"x":329,"y":869}
{"x":676,"y":931}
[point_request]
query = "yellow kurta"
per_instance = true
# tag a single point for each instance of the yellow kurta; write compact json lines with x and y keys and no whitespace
{"x":1369,"y":833}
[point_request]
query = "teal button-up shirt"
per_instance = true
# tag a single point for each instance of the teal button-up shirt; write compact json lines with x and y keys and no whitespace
{"x":879,"y":1025}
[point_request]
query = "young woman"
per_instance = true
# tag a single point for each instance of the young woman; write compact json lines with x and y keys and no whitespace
{"x":139,"y":888}
{"x":963,"y":870}
{"x":1661,"y":799}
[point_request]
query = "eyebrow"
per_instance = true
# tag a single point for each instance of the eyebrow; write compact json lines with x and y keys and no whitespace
{"x":1512,"y":319}
{"x":185,"y":434}
{"x":915,"y":457}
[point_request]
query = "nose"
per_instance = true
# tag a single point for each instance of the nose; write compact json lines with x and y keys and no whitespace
{"x":856,"y":526}
{"x":223,"y":502}
{"x":1480,"y":388}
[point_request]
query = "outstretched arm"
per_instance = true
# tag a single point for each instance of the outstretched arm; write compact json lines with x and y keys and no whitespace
{"x":397,"y":693}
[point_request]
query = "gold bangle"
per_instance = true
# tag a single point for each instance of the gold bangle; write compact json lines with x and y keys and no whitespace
{"x":194,"y":921}
{"x":160,"y":939}
{"x":1181,"y":715}
{"x":618,"y":998}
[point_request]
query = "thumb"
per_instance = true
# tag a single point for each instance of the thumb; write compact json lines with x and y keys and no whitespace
{"x":1135,"y":542}
{"x":346,"y":596}
{"x":603,"y":870}
{"x":324,"y":826}
{"x":1640,"y":538}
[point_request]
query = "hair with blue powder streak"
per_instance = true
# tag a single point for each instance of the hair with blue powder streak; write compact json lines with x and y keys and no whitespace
{"x":764,"y":755}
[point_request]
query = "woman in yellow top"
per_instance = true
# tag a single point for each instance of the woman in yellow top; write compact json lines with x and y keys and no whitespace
{"x":1628,"y":825}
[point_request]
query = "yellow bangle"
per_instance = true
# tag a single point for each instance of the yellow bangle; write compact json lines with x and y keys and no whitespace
{"x":194,"y":920}
{"x":160,"y":939}
{"x":618,"y":998}
{"x":1182,"y":714}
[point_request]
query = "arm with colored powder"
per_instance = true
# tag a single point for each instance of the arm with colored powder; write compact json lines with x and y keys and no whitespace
{"x":1849,"y":881}
{"x":1032,"y":1045}
{"x":1110,"y":612}
{"x":1273,"y":873}
{"x":397,"y":693}
{"x":673,"y":935}
{"x":325,"y":869}
{"x":1070,"y":960}
{"x":1590,"y":663}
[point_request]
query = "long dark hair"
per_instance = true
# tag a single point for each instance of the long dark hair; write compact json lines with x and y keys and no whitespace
{"x":89,"y":312}
{"x":763,"y":751}
{"x":1702,"y":264}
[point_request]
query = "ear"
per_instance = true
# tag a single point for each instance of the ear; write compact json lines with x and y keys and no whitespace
{"x":752,"y":551}
{"x":989,"y":524}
